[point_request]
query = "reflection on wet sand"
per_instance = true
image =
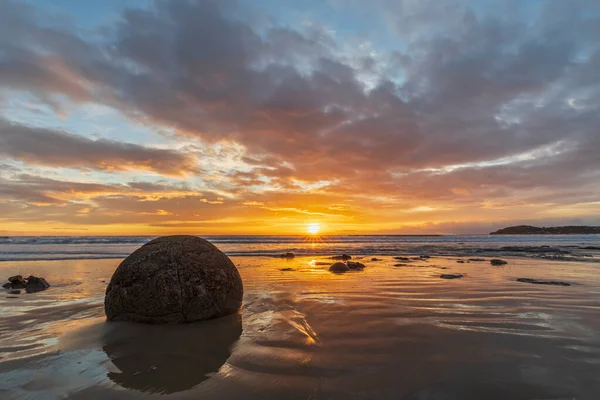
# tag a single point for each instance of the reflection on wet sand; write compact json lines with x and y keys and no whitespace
{"x":382,"y":333}
{"x":169,"y":358}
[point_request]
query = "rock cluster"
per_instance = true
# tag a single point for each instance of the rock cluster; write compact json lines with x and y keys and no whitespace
{"x":340,"y":267}
{"x":31,"y":284}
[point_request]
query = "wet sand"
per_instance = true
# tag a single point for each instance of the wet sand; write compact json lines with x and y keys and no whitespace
{"x":383,"y":333}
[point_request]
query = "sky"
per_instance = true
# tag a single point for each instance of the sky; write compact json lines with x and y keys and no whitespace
{"x":271,"y":117}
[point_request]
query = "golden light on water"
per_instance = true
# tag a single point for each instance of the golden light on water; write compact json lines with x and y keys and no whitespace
{"x":313,"y":229}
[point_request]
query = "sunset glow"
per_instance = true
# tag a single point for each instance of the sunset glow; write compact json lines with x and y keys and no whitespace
{"x":313,"y":229}
{"x":372,"y":117}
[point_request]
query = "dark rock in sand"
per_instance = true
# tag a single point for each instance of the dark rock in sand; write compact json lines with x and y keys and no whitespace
{"x":460,"y":261}
{"x":35,"y":284}
{"x":31,"y":284}
{"x":339,"y":267}
{"x":541,"y":282}
{"x":342,"y":257}
{"x":476,"y":259}
{"x":400,"y":265}
{"x":17,"y":280}
{"x":286,"y":269}
{"x":174,"y":279}
{"x":14,"y":292}
{"x":424,"y":257}
{"x":375,"y":259}
{"x":451,"y":276}
{"x":355,"y":265}
{"x":402,"y":258}
{"x":497,"y":262}
{"x":288,"y":255}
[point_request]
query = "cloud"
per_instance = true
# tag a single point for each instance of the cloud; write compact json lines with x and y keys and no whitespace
{"x":471,"y":107}
{"x":41,"y":146}
{"x":26,"y":189}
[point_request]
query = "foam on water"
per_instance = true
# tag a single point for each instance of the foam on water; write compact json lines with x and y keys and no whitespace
{"x":96,"y":247}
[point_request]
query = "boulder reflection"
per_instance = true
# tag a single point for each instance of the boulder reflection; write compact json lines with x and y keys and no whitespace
{"x":169,"y":358}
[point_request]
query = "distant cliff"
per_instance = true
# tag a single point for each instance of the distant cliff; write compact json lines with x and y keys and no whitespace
{"x":553,"y":230}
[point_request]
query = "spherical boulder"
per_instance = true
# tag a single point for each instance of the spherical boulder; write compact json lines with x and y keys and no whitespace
{"x":174,"y":279}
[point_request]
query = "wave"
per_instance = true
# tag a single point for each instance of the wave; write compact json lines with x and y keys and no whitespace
{"x":240,"y":239}
{"x":562,"y":247}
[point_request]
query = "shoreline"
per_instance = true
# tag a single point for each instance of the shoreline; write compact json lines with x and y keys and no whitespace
{"x":551,"y":253}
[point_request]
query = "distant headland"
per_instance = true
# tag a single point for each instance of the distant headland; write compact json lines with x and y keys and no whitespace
{"x":552,"y":230}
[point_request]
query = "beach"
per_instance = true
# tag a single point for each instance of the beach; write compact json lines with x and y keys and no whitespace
{"x":312,"y":200}
{"x":386,"y":332}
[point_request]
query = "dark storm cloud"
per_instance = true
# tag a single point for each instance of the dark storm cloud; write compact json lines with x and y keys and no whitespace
{"x":48,"y":147}
{"x":465,"y":89}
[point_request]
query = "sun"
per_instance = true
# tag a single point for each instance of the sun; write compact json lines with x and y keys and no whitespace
{"x":313,"y":229}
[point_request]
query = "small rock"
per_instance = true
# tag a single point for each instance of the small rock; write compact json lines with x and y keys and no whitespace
{"x":288,"y":255}
{"x":400,"y":265}
{"x":451,"y":276}
{"x":286,"y":269}
{"x":342,"y":257}
{"x":476,"y":259}
{"x":7,"y":285}
{"x":14,"y":292}
{"x":355,"y":265}
{"x":424,"y":257}
{"x":12,"y":297}
{"x":17,"y":282}
{"x":460,"y":261}
{"x":402,"y":258}
{"x":375,"y":259}
{"x":497,"y":262}
{"x":36,"y":284}
{"x":322,"y":263}
{"x":17,"y":279}
{"x":540,"y":282}
{"x":339,"y":267}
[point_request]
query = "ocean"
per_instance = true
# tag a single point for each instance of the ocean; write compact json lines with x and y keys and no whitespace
{"x":579,"y":247}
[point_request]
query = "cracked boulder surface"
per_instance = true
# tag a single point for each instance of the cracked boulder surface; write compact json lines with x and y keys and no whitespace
{"x":174,"y":279}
